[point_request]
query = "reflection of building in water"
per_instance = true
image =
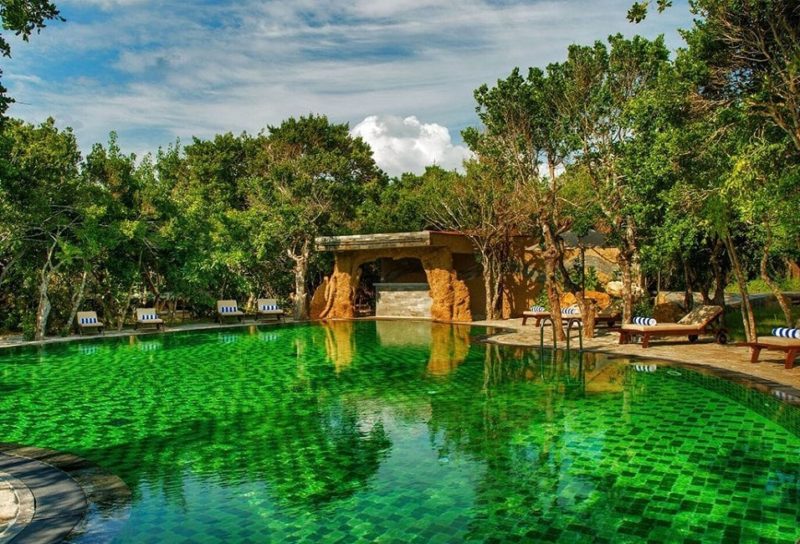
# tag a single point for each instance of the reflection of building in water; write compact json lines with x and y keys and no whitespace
{"x":339,"y":343}
{"x":407,"y":333}
{"x":448,"y":343}
{"x":449,"y":347}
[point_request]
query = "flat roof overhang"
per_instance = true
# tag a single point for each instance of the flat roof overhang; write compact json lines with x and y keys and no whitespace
{"x":457,"y":243}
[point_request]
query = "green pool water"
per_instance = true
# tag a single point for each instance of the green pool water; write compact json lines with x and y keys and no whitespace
{"x":405,"y":432}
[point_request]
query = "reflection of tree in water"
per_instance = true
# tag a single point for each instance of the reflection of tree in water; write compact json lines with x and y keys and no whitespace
{"x":520,"y":434}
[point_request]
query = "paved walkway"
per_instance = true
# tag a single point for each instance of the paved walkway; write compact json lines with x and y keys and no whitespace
{"x":46,"y":495}
{"x":705,"y":352}
{"x":17,"y":339}
{"x":60,"y":503}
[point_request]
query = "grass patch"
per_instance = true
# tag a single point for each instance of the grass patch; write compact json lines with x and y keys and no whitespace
{"x":759,"y":287}
{"x":768,"y":316}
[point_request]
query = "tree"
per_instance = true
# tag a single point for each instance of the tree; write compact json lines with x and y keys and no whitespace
{"x":42,"y":185}
{"x":615,"y":126}
{"x":23,"y":18}
{"x":316,"y":175}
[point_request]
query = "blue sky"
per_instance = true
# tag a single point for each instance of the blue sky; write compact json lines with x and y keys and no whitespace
{"x":400,"y":72}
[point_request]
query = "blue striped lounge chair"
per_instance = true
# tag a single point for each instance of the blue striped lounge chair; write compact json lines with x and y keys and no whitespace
{"x":228,"y":308}
{"x":782,"y":339}
{"x":268,"y":307}
{"x":148,"y":317}
{"x":87,"y":321}
{"x":701,"y":320}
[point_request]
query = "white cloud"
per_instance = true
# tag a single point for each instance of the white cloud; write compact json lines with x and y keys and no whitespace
{"x":407,"y":145}
{"x":153,"y":71}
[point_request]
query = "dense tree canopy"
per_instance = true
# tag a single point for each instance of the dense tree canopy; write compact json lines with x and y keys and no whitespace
{"x":688,"y":163}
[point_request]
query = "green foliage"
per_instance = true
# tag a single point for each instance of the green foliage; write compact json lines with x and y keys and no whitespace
{"x":643,"y":307}
{"x":23,"y":18}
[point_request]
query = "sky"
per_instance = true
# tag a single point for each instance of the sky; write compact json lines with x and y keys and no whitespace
{"x":401,"y":73}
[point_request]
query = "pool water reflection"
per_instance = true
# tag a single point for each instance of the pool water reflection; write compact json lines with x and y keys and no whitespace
{"x":400,"y":431}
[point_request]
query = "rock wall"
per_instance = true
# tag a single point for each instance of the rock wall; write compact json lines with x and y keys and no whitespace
{"x":438,"y":264}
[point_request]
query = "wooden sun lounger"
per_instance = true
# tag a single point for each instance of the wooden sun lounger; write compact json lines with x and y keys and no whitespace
{"x":608,"y":317}
{"x":223,"y":310}
{"x":790,"y":346}
{"x":701,"y":320}
{"x":89,"y":321}
{"x":264,"y":303}
{"x":147,"y":317}
{"x":538,"y":316}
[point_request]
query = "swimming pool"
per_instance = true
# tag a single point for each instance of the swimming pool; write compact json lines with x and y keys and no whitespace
{"x":402,"y":431}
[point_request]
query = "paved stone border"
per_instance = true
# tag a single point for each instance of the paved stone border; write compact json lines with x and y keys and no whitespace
{"x":71,"y":496}
{"x":18,"y":497}
{"x":16,"y":341}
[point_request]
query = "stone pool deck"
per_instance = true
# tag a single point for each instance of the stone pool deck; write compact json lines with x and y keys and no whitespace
{"x":17,"y":339}
{"x":705,"y":352}
{"x":46,"y":496}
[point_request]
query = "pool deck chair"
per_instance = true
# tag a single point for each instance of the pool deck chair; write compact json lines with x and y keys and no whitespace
{"x":534,"y":314}
{"x":88,"y":321}
{"x":268,"y":307}
{"x":609,"y":316}
{"x":228,"y":308}
{"x":148,"y":317}
{"x":701,"y":320}
{"x":790,"y":346}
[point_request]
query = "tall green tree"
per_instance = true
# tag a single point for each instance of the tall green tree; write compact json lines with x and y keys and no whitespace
{"x":316,"y":175}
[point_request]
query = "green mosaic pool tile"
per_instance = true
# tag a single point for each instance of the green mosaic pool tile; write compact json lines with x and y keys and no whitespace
{"x":325,"y":434}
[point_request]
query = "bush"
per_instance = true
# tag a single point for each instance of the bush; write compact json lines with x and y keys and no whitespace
{"x":29,"y":327}
{"x":643,"y":307}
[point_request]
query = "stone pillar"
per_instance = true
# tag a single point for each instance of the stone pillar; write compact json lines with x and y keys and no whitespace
{"x":341,"y":284}
{"x":438,"y":265}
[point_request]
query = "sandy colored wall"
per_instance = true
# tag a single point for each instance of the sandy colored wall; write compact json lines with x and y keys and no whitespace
{"x":441,"y":278}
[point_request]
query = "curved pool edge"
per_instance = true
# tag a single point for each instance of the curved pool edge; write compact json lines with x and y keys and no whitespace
{"x":64,"y":494}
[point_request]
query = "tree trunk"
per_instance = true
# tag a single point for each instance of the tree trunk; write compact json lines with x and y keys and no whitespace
{"x":4,"y":272}
{"x":774,"y":287}
{"x":688,"y":297}
{"x":748,"y":320}
{"x":489,"y":288}
{"x":719,"y":273}
{"x":77,"y":300}
{"x":43,"y":309}
{"x":551,"y":256}
{"x":492,"y":267}
{"x":300,"y":276}
{"x":626,"y":266}
{"x":626,"y":257}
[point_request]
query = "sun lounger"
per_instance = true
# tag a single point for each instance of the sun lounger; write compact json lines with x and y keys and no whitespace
{"x":148,"y":317}
{"x":228,"y":308}
{"x":269,"y":307}
{"x":536,"y":312}
{"x":88,"y":321}
{"x":789,"y":344}
{"x":701,"y":320}
{"x":610,"y":316}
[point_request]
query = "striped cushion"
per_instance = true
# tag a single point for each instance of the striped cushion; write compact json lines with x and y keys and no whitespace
{"x":229,"y":309}
{"x":538,"y":309}
{"x":785,"y":332}
{"x":88,"y":320}
{"x":569,"y":311}
{"x":268,"y":307}
{"x":644,"y":321}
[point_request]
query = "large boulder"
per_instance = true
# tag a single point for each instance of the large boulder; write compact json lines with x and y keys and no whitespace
{"x":601,"y":300}
{"x":667,"y":312}
{"x":615,"y":288}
